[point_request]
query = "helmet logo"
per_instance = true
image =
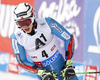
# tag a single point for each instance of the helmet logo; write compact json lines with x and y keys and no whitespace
{"x":21,"y":17}
{"x":18,"y":15}
{"x":32,"y":12}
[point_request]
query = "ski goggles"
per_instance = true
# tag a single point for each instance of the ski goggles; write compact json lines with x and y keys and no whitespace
{"x":26,"y":22}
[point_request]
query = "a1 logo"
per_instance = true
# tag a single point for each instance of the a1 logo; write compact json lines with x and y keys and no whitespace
{"x":40,"y":43}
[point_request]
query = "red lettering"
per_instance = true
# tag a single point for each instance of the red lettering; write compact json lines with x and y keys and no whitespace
{"x":33,"y":56}
{"x":53,"y":48}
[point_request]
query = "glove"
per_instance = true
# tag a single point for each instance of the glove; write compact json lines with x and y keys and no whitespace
{"x":47,"y":74}
{"x":68,"y":70}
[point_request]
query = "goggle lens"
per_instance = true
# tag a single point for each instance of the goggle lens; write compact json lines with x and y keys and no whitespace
{"x":26,"y":22}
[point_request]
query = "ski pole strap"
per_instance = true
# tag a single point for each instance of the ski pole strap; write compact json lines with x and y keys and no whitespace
{"x":87,"y":73}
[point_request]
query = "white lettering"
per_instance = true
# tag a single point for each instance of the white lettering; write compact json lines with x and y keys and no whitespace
{"x":59,"y":12}
{"x":55,"y":26}
{"x":48,"y":62}
{"x":7,"y":24}
{"x":13,"y":67}
{"x":13,"y":64}
{"x":14,"y":43}
{"x":65,"y":35}
{"x":4,"y":58}
{"x":13,"y":60}
{"x":90,"y":78}
{"x":63,"y":12}
{"x":91,"y":70}
{"x":96,"y":26}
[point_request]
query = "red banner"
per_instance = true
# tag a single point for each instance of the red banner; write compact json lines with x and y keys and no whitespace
{"x":16,"y":2}
{"x":13,"y":65}
{"x":91,"y":69}
{"x":5,"y":45}
{"x":7,"y":24}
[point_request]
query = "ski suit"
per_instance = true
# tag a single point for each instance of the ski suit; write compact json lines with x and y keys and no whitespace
{"x":41,"y":47}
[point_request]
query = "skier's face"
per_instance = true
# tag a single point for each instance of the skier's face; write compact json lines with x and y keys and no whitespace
{"x":27,"y":29}
{"x":26,"y":25}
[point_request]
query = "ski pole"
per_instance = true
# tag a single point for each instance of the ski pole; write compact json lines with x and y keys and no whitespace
{"x":87,"y":73}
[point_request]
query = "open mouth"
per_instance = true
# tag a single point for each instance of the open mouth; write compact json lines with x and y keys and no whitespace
{"x":27,"y":29}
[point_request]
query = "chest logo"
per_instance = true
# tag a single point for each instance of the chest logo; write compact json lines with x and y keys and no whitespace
{"x":40,"y":43}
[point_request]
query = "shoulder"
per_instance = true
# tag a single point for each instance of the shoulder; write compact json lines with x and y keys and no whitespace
{"x":50,"y":20}
{"x":17,"y":34}
{"x":13,"y":36}
{"x":42,"y":24}
{"x":40,"y":20}
{"x":46,"y":19}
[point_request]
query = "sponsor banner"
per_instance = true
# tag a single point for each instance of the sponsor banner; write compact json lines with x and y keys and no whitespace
{"x":7,"y":24}
{"x":91,"y":69}
{"x":16,"y":2}
{"x":5,"y":45}
{"x":92,"y":32}
{"x":8,"y":63}
{"x":52,"y":59}
{"x":13,"y":65}
{"x":7,"y":27}
{"x":99,"y":74}
{"x":70,"y":14}
{"x":4,"y":61}
{"x":79,"y":67}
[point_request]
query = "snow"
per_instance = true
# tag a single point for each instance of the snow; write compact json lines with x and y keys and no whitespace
{"x":12,"y":76}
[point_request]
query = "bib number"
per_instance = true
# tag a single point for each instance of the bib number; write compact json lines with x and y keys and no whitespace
{"x":40,"y":43}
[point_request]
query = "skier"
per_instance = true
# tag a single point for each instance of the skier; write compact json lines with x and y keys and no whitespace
{"x":36,"y":38}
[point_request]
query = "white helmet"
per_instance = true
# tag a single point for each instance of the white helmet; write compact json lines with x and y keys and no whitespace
{"x":24,"y":11}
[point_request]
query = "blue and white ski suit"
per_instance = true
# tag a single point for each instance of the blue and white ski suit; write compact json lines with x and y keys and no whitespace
{"x":41,"y":47}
